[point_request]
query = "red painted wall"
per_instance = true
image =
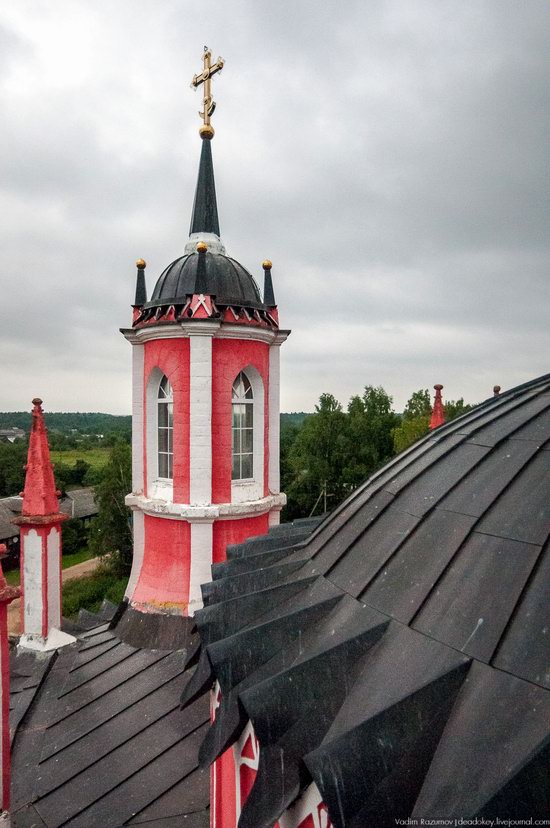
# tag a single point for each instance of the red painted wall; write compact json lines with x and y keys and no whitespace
{"x":226,"y":532}
{"x":163,"y":582}
{"x":171,"y":357}
{"x":229,"y":357}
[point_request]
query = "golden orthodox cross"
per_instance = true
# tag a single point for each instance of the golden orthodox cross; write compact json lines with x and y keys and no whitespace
{"x":207,"y":130}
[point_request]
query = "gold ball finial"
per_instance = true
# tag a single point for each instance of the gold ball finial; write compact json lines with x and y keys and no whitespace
{"x":141,"y":264}
{"x":206,"y":131}
{"x":267,"y":265}
{"x":202,"y":247}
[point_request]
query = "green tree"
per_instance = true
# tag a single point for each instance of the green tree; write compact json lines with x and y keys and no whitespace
{"x":316,"y":461}
{"x":368,"y":435}
{"x":112,"y":528}
{"x":409,"y":432}
{"x":415,"y":422}
{"x":75,"y":536}
{"x":13,"y":457}
{"x":419,"y":405}
{"x":454,"y":408}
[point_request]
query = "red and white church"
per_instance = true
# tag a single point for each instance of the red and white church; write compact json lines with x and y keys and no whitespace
{"x":205,"y":412}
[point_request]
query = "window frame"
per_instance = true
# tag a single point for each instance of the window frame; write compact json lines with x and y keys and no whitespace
{"x":165,"y":403}
{"x":242,"y":429}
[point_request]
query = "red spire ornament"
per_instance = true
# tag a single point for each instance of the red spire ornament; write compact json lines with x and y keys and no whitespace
{"x":40,"y":559}
{"x":438,"y":413}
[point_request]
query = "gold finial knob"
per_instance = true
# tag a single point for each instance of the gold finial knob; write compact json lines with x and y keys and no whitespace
{"x":141,"y":264}
{"x":206,"y":131}
{"x":202,"y":247}
{"x":267,"y":265}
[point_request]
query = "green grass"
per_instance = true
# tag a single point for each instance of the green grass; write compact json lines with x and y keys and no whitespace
{"x":13,"y":576}
{"x":89,"y":592}
{"x":96,"y":457}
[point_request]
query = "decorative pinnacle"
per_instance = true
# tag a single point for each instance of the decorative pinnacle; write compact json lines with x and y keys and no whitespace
{"x":141,"y":264}
{"x":438,"y":412}
{"x":202,"y":247}
{"x":209,"y":105}
{"x":267,"y":265}
{"x":37,"y":401}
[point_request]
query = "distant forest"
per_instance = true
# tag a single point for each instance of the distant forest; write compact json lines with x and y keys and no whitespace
{"x":65,"y":423}
{"x":95,"y":423}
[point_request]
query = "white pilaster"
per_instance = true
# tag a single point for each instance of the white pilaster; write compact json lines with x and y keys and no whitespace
{"x":32,"y":583}
{"x":139,"y":549}
{"x":274,"y":477}
{"x":200,"y":419}
{"x":53,"y":551}
{"x":41,"y":601}
{"x":274,"y":517}
{"x":137,"y":417}
{"x":201,"y":561}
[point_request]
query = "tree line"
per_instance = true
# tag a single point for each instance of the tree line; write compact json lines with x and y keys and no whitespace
{"x":324,"y":456}
{"x":333,"y":450}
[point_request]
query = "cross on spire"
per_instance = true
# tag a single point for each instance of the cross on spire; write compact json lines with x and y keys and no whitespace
{"x":205,"y":77}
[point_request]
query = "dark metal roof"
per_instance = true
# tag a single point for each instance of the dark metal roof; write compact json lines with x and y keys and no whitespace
{"x":227,"y":280}
{"x":399,"y":657}
{"x":100,"y":739}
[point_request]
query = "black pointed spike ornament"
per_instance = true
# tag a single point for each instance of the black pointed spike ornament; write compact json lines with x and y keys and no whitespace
{"x":141,"y":290}
{"x":204,"y":218}
{"x":200,"y":276}
{"x":269,"y":295}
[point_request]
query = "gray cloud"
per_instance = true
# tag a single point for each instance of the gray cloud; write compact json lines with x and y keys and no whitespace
{"x":391,"y":158}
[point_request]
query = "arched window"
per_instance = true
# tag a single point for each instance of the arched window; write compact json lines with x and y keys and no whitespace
{"x":243,"y":429}
{"x":165,"y":426}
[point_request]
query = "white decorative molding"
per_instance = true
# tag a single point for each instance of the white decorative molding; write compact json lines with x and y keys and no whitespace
{"x":188,"y":327}
{"x":55,"y":640}
{"x":200,"y":417}
{"x":274,"y":475}
{"x":213,"y":242}
{"x":138,"y":357}
{"x":201,"y":561}
{"x":139,"y":550}
{"x":198,"y":514}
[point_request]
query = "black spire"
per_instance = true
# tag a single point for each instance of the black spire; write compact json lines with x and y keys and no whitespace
{"x":269,"y":295}
{"x":205,"y":209}
{"x":141,"y":290}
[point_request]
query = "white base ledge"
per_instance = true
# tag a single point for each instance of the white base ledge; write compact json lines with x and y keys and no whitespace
{"x":55,"y":640}
{"x":205,"y":514}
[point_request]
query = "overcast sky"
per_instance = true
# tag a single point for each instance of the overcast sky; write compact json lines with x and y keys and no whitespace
{"x":391,"y":157}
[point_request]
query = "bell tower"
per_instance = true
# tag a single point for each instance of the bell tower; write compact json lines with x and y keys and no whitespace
{"x":205,"y":410}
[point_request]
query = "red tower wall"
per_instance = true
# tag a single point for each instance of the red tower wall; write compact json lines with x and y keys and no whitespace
{"x":227,"y":532}
{"x":168,"y":545}
{"x":171,"y":357}
{"x":229,"y":357}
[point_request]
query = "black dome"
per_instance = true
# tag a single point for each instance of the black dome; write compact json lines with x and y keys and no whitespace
{"x":406,"y":639}
{"x":226,"y":280}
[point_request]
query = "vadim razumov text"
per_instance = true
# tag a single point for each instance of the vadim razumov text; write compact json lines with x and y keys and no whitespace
{"x":479,"y":822}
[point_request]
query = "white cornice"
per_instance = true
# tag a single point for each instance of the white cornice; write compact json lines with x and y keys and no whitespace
{"x":204,"y":327}
{"x":205,"y":514}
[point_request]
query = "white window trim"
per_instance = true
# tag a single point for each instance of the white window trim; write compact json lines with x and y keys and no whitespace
{"x":252,"y":488}
{"x":158,"y":488}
